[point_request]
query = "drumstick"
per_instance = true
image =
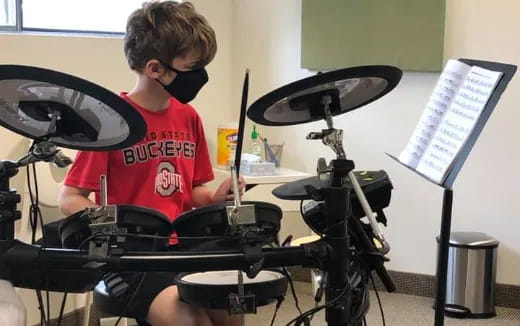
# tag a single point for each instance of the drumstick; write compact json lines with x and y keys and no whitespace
{"x":241,"y":122}
{"x":103,"y":195}
{"x":234,"y":186}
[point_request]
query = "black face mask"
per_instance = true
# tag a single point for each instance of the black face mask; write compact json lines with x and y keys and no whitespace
{"x":187,"y":83}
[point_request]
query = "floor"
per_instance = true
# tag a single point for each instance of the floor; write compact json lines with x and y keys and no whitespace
{"x":399,"y":310}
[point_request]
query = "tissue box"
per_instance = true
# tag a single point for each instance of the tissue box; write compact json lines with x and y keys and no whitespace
{"x":257,"y":168}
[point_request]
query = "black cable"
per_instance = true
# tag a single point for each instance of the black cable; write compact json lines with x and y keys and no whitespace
{"x":378,"y":300}
{"x":335,"y":225}
{"x":62,"y":308}
{"x":35,"y":204}
{"x":360,"y":313}
{"x":312,"y":311}
{"x":132,"y":298}
{"x":93,"y":236}
{"x":278,"y":304}
{"x":291,"y":285}
{"x":118,"y":320}
{"x":322,"y":232}
{"x":35,"y":207}
{"x":148,"y":236}
{"x":215,"y":237}
{"x":43,"y":318}
{"x":33,"y":165}
{"x":35,"y":212}
{"x":307,"y":316}
{"x":301,"y":208}
{"x":35,"y":215}
{"x":48,"y":302}
{"x":32,"y":220}
{"x":293,"y":291}
{"x":319,"y":291}
{"x":363,"y":306}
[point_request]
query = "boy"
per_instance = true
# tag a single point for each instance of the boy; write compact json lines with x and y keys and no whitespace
{"x":167,"y":44}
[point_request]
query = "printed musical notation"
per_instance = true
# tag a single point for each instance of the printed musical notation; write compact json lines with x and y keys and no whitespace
{"x":438,"y":103}
{"x":458,"y":99}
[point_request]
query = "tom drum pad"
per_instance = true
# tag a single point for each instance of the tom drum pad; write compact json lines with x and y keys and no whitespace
{"x":212,"y":221}
{"x":74,"y":229}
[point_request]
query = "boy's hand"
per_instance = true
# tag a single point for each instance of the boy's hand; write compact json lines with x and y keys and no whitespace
{"x":225,"y":190}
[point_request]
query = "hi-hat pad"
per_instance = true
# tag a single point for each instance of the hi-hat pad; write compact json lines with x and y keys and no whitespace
{"x":376,"y":186}
{"x":86,"y":116}
{"x":301,"y":101}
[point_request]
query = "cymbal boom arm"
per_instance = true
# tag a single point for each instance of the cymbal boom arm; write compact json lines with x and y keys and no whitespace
{"x":333,"y":138}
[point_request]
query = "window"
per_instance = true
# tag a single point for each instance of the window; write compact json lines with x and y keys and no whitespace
{"x":7,"y":14}
{"x":76,"y":16}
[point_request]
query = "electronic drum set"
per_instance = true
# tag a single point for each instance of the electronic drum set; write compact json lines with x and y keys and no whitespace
{"x":217,"y":243}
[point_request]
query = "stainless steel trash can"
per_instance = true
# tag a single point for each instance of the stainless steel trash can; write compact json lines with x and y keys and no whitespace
{"x":470,"y":287}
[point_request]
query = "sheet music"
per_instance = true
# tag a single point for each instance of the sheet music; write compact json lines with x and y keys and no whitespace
{"x":458,"y":122}
{"x":448,"y":84}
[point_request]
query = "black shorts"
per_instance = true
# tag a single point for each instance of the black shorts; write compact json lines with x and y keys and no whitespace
{"x":141,"y":291}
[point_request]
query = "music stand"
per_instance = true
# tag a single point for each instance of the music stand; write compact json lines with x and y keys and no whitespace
{"x":447,"y":202}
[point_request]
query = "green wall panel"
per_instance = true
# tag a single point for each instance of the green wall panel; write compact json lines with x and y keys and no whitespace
{"x":408,"y":34}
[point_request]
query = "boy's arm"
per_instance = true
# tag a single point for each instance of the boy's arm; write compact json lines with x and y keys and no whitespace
{"x":73,"y":199}
{"x":202,"y":195}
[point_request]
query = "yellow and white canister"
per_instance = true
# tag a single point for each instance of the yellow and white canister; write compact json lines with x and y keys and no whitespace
{"x":227,"y":136}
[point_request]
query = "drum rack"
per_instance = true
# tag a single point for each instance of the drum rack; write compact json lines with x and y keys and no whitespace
{"x":332,"y":253}
{"x":346,"y":250}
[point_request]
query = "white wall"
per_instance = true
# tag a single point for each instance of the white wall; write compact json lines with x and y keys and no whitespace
{"x":102,"y":61}
{"x":215,"y":100}
{"x":265,"y":36}
{"x":267,"y":40}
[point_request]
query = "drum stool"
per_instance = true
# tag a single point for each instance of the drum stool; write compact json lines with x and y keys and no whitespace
{"x":106,"y":304}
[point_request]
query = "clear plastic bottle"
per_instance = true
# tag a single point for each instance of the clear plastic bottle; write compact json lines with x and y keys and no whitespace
{"x":256,"y":149}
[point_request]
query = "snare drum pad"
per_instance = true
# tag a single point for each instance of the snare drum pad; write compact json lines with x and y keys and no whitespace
{"x":212,"y":289}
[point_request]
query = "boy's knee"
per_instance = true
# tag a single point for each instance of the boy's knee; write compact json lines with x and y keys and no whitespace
{"x":167,"y":310}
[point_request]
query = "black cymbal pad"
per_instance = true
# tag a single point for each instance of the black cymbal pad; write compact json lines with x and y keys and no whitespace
{"x":87,"y":116}
{"x":301,"y":101}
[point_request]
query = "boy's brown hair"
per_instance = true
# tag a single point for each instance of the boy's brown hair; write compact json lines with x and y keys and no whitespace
{"x":165,"y":30}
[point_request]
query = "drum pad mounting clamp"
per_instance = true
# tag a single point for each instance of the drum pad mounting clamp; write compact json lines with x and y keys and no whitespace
{"x":102,"y":219}
{"x":241,"y":215}
{"x":241,"y":304}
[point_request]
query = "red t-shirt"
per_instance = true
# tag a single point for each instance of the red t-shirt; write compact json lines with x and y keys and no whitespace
{"x":160,"y":171}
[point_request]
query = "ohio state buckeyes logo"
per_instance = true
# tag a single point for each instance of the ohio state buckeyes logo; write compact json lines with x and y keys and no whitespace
{"x":167,"y":180}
